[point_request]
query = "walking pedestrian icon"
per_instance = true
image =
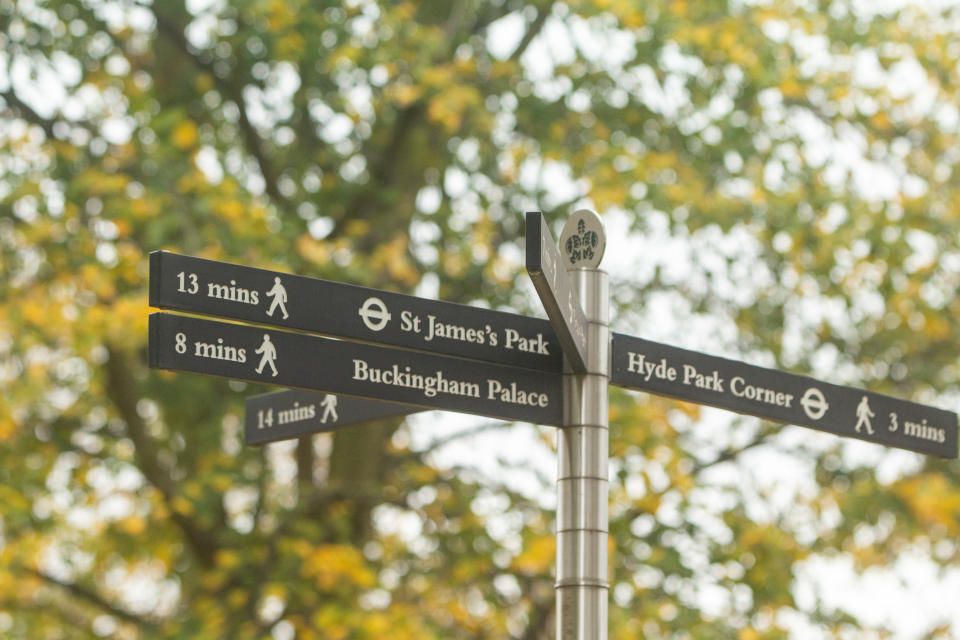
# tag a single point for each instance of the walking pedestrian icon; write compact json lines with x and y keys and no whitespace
{"x":269,"y":355}
{"x":329,"y":404}
{"x":863,"y":416}
{"x":279,"y":294}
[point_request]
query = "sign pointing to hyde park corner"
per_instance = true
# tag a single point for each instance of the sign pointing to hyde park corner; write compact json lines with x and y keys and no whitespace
{"x":782,"y":397}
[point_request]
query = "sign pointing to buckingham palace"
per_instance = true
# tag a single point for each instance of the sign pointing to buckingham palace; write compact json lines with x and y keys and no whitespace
{"x":301,"y":361}
{"x":782,"y":397}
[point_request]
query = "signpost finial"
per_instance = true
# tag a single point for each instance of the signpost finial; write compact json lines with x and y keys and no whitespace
{"x":583,"y":240}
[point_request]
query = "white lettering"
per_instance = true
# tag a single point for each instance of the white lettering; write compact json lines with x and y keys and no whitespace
{"x":713,"y":382}
{"x":409,"y":322}
{"x":924,"y":431}
{"x":359,"y":370}
{"x":661,"y":370}
{"x":219,"y":351}
{"x":740,"y":388}
{"x":635,"y":362}
{"x":430,"y":385}
{"x":296,"y":413}
{"x":438,"y":329}
{"x":515,"y":395}
{"x":528,"y":345}
{"x":232,"y":293}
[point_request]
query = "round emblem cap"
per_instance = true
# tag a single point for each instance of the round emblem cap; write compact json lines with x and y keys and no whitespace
{"x":583,"y":240}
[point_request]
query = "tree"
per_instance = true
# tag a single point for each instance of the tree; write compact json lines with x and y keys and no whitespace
{"x":795,"y":159}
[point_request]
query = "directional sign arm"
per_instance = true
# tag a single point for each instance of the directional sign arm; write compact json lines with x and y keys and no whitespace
{"x":782,"y":397}
{"x":555,"y":289}
{"x":432,"y":381}
{"x":282,"y":415}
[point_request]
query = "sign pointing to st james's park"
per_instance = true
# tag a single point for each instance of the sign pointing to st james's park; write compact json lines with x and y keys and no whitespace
{"x":334,"y":366}
{"x":248,"y":294}
{"x":782,"y":397}
{"x":282,"y":415}
{"x":549,"y":276}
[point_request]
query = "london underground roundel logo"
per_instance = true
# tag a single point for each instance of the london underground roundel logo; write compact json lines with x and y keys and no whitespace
{"x":374,"y":314}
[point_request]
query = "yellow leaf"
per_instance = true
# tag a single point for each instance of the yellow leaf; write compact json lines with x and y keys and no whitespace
{"x":227,"y":558}
{"x":332,"y":565}
{"x":538,"y":556}
{"x":880,"y":120}
{"x":134,"y":525}
{"x":933,"y":499}
{"x":357,"y":228}
{"x":204,"y":82}
{"x":182,"y":505}
{"x":222,"y":482}
{"x":404,"y":95}
{"x":185,"y":134}
{"x":312,"y":250}
{"x":791,"y":89}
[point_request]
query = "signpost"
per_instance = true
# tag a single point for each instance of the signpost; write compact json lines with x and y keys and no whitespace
{"x":284,"y":415}
{"x":431,"y":354}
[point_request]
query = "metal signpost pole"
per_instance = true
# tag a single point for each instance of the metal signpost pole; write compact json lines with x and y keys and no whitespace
{"x":583,"y":483}
{"x":576,"y":297}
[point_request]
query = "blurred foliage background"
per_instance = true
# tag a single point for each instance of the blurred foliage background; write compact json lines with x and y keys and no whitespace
{"x":781,"y":178}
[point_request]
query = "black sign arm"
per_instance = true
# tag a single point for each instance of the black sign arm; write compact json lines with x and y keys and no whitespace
{"x":283,"y":415}
{"x":782,"y":397}
{"x":295,"y":360}
{"x":555,"y":290}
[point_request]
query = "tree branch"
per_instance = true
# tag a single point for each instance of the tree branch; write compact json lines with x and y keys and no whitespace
{"x":252,"y":140}
{"x":25,"y":111}
{"x":542,"y":615}
{"x":492,"y":16}
{"x":458,"y":11}
{"x":92,"y":597}
{"x":123,"y":395}
{"x":28,"y":113}
{"x":730,"y":454}
{"x":381,"y":173}
{"x":305,"y":465}
{"x":540,"y":623}
{"x":532,"y":32}
{"x":466,"y":433}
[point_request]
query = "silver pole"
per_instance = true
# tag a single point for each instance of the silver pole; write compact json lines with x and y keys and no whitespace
{"x":582,"y":481}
